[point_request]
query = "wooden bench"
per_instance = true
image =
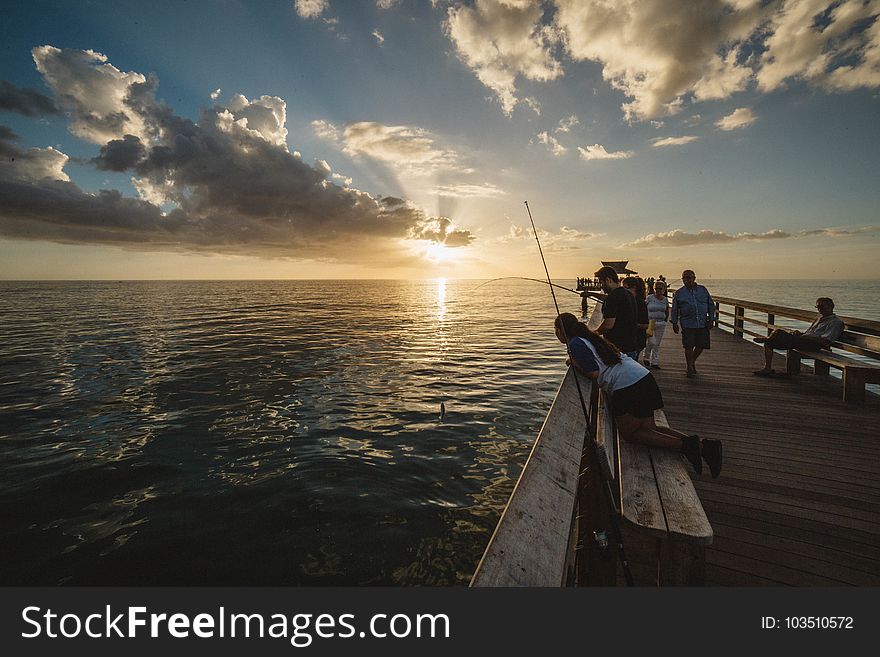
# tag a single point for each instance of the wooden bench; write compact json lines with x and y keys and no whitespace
{"x":856,"y":374}
{"x":659,"y":503}
{"x":545,"y":536}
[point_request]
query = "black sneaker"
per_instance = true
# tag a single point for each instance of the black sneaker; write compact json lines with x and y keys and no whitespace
{"x":712,"y":454}
{"x":690,"y":447}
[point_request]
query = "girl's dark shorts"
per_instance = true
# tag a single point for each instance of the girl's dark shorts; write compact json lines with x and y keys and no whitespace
{"x":640,"y":399}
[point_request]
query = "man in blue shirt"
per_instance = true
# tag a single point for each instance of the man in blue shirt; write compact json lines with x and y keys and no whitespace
{"x":693,"y":307}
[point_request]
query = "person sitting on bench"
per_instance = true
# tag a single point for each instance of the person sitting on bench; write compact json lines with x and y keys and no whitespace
{"x":821,"y":334}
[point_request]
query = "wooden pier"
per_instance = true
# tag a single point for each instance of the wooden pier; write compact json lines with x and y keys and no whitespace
{"x":797,"y":502}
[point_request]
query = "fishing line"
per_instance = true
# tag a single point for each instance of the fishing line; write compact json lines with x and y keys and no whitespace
{"x":523,"y":278}
{"x":615,"y":524}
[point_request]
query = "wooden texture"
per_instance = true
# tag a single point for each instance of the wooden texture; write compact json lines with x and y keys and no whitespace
{"x":798,"y":500}
{"x":639,"y":498}
{"x":685,"y":518}
{"x":530,"y":544}
{"x":605,"y":438}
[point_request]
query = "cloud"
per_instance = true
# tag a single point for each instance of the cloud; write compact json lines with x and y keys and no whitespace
{"x":386,"y":4}
{"x":266,"y":116}
{"x":501,"y":40}
{"x":223,"y":184}
{"x":309,"y":9}
{"x":666,"y":53}
{"x":94,"y":91}
{"x":466,"y":190}
{"x":215,"y":94}
{"x":442,"y":231}
{"x":661,"y":142}
{"x":551,"y":142}
{"x":679,"y":237}
{"x":658,"y":52}
{"x":379,"y":38}
{"x":325,"y":130}
{"x":598,"y":152}
{"x":32,"y":165}
{"x":740,"y":118}
{"x":407,"y":149}
{"x":839,"y":232}
{"x":25,"y":101}
{"x":566,"y":239}
{"x":567,"y":123}
{"x":835,"y":45}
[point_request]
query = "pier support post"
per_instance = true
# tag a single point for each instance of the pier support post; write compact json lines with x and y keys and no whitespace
{"x":738,"y":314}
{"x":771,"y":319}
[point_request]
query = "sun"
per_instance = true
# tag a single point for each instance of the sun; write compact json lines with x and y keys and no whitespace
{"x":437,"y":252}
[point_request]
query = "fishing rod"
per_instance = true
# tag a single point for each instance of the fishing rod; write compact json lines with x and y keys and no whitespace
{"x":523,"y":278}
{"x":615,"y":524}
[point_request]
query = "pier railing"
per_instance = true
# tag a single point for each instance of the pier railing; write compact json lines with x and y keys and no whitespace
{"x":536,"y":539}
{"x":862,"y":336}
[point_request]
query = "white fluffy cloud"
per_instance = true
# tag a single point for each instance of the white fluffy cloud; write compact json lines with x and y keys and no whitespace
{"x":662,"y":142}
{"x":232,"y":184}
{"x":739,"y":118}
{"x":310,"y":8}
{"x":663,"y":54}
{"x":32,"y":165}
{"x":598,"y":152}
{"x":821,"y":42}
{"x":656,"y":52}
{"x":551,"y":142}
{"x":501,"y":40}
{"x":266,"y":115}
{"x":407,"y":149}
{"x":565,"y":239}
{"x":94,"y":91}
{"x":567,"y":123}
{"x":378,"y":36}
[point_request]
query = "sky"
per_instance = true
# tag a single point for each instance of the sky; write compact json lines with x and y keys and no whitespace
{"x":224,"y":139}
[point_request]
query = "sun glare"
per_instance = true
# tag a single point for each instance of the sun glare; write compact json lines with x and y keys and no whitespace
{"x":436,"y":252}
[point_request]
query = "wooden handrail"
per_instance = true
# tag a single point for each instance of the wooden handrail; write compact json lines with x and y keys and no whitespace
{"x":533,"y":544}
{"x":852,"y":323}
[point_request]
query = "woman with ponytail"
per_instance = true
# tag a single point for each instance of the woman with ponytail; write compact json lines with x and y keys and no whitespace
{"x":634,"y":394}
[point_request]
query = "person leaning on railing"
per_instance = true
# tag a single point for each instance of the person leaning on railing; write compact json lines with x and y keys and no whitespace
{"x":634,"y":394}
{"x":821,"y":335}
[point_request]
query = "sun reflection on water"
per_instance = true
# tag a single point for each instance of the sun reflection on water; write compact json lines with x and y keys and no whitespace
{"x":441,"y":299}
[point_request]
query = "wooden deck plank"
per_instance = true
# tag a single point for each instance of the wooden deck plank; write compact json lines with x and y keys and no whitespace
{"x":798,"y":501}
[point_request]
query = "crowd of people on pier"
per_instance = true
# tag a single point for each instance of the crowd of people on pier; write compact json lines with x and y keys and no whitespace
{"x":635,"y":314}
{"x":633,"y":322}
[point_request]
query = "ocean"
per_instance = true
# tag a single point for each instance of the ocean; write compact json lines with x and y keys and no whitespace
{"x":279,"y":432}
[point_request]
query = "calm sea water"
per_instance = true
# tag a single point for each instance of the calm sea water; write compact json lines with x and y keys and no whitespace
{"x":283,"y":432}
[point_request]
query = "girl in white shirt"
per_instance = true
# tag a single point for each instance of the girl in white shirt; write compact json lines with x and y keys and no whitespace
{"x":634,"y":394}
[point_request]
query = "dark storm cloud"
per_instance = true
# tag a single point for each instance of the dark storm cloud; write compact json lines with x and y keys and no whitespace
{"x":25,"y":101}
{"x":227,"y":181}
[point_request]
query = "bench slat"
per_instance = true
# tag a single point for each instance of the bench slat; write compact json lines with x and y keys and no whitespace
{"x":605,"y":437}
{"x":530,"y":543}
{"x":836,"y":360}
{"x":685,"y":517}
{"x":639,"y":499}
